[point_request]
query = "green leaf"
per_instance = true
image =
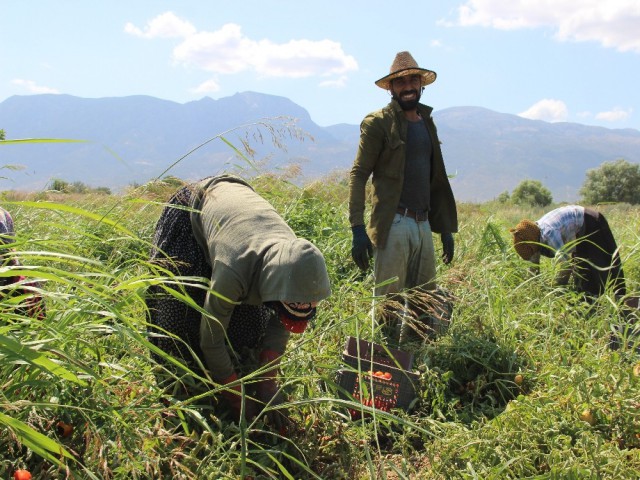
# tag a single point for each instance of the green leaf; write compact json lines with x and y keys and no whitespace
{"x":41,"y":140}
{"x":36,"y":441}
{"x":38,"y":359}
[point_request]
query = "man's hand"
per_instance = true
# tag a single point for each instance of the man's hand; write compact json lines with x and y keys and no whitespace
{"x":447,"y":247}
{"x":361,"y":247}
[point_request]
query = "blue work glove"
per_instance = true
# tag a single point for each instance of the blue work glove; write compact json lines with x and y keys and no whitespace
{"x":361,"y":247}
{"x":447,"y":247}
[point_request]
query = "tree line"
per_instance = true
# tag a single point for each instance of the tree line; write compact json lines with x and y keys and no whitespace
{"x":612,"y":182}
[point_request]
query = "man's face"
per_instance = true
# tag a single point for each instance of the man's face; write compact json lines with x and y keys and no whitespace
{"x":406,"y":91}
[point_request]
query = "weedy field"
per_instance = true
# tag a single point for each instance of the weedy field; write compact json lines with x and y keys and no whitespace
{"x":522,"y":385}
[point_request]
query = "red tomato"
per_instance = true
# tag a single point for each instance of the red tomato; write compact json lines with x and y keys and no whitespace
{"x":22,"y":475}
{"x":64,"y":429}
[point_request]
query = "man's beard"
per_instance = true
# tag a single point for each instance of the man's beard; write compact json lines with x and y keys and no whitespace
{"x":407,"y":105}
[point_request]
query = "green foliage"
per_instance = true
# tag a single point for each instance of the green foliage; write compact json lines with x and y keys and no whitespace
{"x":504,"y":197}
{"x":59,"y":185}
{"x":2,"y":134}
{"x":501,"y":394}
{"x":617,"y":181}
{"x":62,"y":186}
{"x":532,"y":193}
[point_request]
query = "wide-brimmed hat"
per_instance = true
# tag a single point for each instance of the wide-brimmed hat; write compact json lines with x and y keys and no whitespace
{"x":403,"y":65}
{"x":526,"y":238}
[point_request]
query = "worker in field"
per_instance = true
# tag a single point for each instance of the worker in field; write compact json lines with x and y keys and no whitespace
{"x":411,"y":199}
{"x":581,"y":238}
{"x":18,"y":294}
{"x":261,"y":283}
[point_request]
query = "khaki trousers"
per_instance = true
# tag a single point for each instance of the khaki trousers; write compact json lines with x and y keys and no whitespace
{"x":406,"y":263}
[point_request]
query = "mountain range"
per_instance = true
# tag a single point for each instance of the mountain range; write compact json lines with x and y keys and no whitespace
{"x":130,"y":140}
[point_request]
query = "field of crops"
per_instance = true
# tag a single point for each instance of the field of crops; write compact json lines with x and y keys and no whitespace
{"x":522,"y":385}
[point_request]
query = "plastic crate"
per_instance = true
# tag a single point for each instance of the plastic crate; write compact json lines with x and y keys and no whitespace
{"x":393,"y":387}
{"x":367,"y":351}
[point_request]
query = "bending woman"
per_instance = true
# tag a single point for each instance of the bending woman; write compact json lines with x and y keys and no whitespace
{"x":264,"y":282}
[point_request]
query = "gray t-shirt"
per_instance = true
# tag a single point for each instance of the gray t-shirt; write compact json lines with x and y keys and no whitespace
{"x":417,"y":171}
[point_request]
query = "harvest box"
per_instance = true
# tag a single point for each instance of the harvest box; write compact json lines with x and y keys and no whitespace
{"x":376,"y":376}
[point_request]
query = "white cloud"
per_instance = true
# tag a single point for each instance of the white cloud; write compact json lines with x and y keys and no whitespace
{"x":228,"y":51}
{"x":224,"y":51}
{"x":301,"y":58}
{"x":207,"y":87}
{"x":166,"y":25}
{"x":613,"y":23}
{"x":32,"y":87}
{"x":548,"y":110}
{"x":614,"y":115}
{"x":335,"y":83}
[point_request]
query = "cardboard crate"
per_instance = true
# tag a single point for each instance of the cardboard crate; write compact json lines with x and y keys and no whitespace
{"x":394,"y":386}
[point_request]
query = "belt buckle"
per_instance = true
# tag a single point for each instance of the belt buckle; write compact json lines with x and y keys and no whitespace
{"x":403,"y":211}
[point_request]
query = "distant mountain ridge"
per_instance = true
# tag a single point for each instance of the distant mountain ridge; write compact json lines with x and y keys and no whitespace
{"x":134,"y":139}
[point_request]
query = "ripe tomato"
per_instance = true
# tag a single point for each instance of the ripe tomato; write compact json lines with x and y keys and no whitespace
{"x":22,"y":475}
{"x":64,"y":429}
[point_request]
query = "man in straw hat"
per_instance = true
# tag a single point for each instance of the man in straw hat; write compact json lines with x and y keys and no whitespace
{"x":411,"y":197}
{"x":581,"y":235}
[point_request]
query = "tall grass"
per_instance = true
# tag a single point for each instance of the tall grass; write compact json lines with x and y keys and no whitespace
{"x":88,"y":363}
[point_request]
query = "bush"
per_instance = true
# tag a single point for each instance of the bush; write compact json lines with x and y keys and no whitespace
{"x":617,"y":181}
{"x":531,"y":192}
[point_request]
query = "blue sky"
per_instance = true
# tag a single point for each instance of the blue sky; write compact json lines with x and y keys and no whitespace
{"x":560,"y":60}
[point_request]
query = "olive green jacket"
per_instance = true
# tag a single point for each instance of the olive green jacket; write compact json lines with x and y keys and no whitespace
{"x":381,"y":153}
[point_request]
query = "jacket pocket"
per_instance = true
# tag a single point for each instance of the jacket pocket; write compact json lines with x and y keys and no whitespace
{"x":390,"y":162}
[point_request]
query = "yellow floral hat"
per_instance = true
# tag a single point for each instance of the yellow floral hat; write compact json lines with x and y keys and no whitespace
{"x":403,"y":65}
{"x":525,"y":236}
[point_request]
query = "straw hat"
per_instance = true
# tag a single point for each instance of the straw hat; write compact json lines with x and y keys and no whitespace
{"x":525,"y":237}
{"x":403,"y":65}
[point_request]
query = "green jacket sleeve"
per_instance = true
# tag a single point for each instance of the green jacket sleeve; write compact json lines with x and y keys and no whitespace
{"x":370,"y":146}
{"x":219,"y":304}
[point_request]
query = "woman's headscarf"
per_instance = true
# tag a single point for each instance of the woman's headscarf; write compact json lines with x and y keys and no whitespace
{"x":6,"y":227}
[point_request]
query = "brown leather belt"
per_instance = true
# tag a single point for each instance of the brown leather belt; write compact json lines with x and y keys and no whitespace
{"x":417,"y":216}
